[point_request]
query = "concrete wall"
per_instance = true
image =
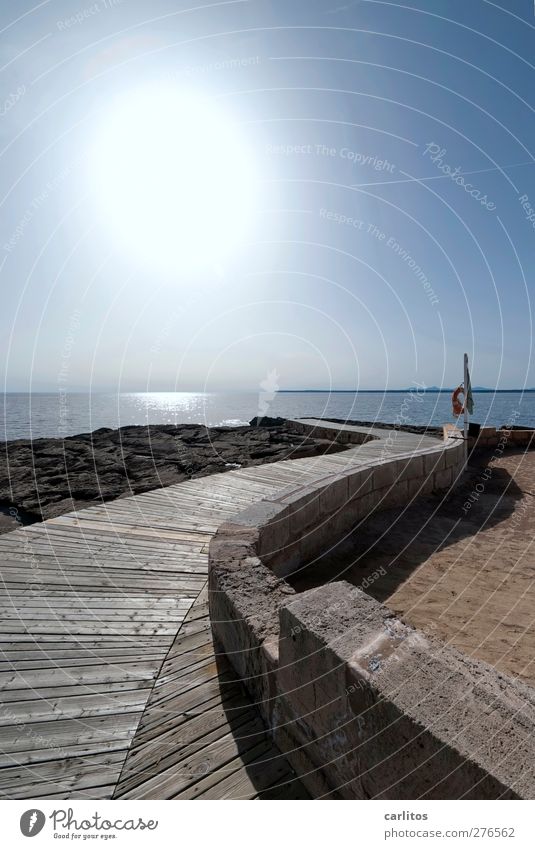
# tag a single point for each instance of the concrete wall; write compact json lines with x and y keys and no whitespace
{"x":306,"y":520}
{"x":492,"y":437}
{"x":356,"y":436}
{"x":362,"y":705}
{"x":376,"y":710}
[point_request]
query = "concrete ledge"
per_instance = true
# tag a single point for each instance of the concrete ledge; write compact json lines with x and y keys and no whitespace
{"x":384,"y":712}
{"x":499,"y":438}
{"x":306,"y":521}
{"x":316,"y":428}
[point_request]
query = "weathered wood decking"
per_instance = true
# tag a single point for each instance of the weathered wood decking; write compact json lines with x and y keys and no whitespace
{"x":200,"y":736}
{"x":106,"y":649}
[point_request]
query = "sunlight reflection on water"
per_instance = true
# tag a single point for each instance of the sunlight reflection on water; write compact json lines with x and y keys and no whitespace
{"x":42,"y":414}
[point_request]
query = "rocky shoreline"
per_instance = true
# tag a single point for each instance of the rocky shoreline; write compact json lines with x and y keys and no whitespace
{"x":44,"y":478}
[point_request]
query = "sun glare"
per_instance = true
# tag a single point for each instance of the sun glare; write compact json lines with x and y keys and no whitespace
{"x":173,"y":178}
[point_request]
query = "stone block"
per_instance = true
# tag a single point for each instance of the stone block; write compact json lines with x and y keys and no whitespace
{"x":286,"y":734}
{"x":271,"y":520}
{"x":366,"y":504}
{"x":411,"y":467}
{"x":359,"y":482}
{"x":319,"y":539}
{"x":384,"y":474}
{"x":443,"y":479}
{"x":259,"y":514}
{"x":419,"y":487}
{"x":287,"y":560}
{"x":455,"y":455}
{"x":333,"y":496}
{"x":434,"y":462}
{"x":382,"y":712}
{"x":398,"y":494}
{"x":302,"y":508}
{"x":342,"y":523}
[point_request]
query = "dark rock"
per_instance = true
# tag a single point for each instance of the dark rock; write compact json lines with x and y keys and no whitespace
{"x":267,"y":421}
{"x":42,"y":478}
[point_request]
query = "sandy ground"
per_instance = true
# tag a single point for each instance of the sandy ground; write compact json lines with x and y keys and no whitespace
{"x":464,"y":575}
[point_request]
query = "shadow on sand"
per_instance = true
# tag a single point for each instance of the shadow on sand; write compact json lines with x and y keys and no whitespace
{"x":397,"y":541}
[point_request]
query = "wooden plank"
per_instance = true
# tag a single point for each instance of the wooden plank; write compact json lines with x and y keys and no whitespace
{"x":193,"y":763}
{"x":83,"y":675}
{"x":66,"y":774}
{"x":27,"y":760}
{"x":76,"y":707}
{"x":262,"y":771}
{"x":183,"y":739}
{"x":48,"y":694}
{"x":62,"y":734}
{"x":125,"y":530}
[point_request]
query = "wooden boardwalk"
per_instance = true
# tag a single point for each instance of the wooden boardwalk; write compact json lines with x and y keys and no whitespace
{"x":200,"y":736}
{"x":106,"y":648}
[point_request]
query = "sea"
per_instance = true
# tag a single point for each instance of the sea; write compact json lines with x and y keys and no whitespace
{"x":35,"y":415}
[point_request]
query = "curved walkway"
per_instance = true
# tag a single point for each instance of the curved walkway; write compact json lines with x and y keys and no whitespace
{"x":106,"y":650}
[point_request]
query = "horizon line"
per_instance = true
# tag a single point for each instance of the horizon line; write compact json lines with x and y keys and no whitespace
{"x":100,"y":391}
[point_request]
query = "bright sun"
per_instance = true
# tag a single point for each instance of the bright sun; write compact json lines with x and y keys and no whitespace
{"x":173,"y":177}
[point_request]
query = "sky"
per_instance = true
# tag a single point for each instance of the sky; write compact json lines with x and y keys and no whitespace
{"x":350,"y":210}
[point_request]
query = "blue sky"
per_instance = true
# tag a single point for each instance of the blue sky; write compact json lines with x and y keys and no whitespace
{"x":364,"y":264}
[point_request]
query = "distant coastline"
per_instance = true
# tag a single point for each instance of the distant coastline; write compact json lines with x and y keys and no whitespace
{"x":48,"y":415}
{"x":430,"y":391}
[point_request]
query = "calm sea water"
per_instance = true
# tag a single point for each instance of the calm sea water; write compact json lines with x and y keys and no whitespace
{"x":41,"y":414}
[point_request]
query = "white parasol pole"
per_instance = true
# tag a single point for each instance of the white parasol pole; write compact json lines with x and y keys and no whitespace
{"x":465,"y":434}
